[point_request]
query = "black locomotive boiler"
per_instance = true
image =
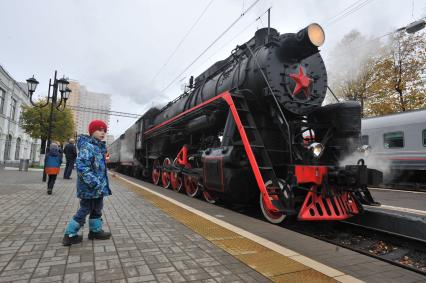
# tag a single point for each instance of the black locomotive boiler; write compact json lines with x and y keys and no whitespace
{"x":251,"y":128}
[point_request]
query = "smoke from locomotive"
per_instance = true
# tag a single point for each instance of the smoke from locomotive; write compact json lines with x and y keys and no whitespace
{"x":251,"y":128}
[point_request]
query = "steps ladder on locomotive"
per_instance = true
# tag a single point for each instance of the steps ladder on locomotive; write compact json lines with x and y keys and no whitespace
{"x":275,"y":188}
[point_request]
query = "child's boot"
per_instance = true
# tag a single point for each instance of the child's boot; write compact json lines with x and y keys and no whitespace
{"x":71,"y":237}
{"x":96,"y":232}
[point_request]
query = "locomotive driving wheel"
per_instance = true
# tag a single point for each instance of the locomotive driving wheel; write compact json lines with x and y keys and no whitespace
{"x":176,"y":179}
{"x":165,"y":176}
{"x":272,"y":216}
{"x":191,"y":184}
{"x":156,"y":172}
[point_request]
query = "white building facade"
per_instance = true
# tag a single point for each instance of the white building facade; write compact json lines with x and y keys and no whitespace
{"x":15,"y":144}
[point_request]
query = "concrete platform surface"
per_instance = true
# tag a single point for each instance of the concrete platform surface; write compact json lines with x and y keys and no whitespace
{"x":162,"y":236}
{"x":400,"y":198}
{"x":147,"y":244}
{"x":346,"y":261}
{"x":154,"y":240}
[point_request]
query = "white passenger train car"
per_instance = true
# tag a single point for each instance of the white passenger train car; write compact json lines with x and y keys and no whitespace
{"x":399,"y":140}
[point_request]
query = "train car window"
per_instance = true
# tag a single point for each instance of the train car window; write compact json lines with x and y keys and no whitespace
{"x":393,"y":140}
{"x":364,"y":140}
{"x":424,"y":137}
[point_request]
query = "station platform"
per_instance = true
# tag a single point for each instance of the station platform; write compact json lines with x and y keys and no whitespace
{"x":162,"y":236}
{"x":410,"y":201}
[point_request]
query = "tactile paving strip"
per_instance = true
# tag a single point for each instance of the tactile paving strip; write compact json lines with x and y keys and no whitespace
{"x":269,"y":263}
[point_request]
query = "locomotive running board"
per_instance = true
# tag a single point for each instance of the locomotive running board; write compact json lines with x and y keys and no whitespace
{"x":271,"y":204}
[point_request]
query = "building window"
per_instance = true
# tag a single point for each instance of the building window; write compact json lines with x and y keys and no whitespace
{"x":424,"y":137}
{"x":364,"y":140}
{"x":13,"y":109}
{"x":18,"y":148}
{"x":19,"y":117}
{"x":2,"y":99}
{"x":7,"y":147}
{"x":393,"y":140}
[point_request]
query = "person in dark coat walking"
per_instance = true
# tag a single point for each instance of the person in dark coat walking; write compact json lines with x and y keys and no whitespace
{"x":52,"y":161}
{"x":70,"y":155}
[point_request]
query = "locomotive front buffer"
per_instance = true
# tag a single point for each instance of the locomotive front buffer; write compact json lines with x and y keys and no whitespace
{"x":334,"y":193}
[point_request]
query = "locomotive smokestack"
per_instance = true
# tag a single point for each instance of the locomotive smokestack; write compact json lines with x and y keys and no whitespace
{"x":298,"y":46}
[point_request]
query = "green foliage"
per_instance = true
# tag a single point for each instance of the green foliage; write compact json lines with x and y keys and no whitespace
{"x":35,"y":122}
{"x":397,"y":83}
{"x":383,"y":78}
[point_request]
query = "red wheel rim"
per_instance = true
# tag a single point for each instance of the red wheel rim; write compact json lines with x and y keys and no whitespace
{"x":271,"y":216}
{"x":176,"y":179}
{"x":155,"y":172}
{"x":190,"y":183}
{"x":165,"y":176}
{"x":210,"y":197}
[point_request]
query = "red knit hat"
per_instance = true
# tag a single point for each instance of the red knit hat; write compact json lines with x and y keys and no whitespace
{"x":97,"y":125}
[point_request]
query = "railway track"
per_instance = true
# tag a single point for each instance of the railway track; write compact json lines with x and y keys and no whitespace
{"x":397,"y":249}
{"x":394,"y":248}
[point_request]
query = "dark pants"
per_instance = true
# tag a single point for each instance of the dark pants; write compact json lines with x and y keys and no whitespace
{"x":68,"y":168}
{"x":89,"y":206}
{"x":51,"y":181}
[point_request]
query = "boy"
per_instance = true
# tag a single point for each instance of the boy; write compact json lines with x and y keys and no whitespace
{"x":92,"y":185}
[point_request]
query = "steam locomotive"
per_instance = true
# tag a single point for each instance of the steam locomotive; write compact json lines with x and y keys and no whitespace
{"x":251,"y":128}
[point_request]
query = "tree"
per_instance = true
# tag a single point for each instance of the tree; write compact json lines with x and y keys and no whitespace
{"x":384,"y":78}
{"x":351,"y":67}
{"x":398,"y":84}
{"x":35,"y":122}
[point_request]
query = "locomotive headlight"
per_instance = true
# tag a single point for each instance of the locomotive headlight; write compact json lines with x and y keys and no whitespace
{"x":316,"y":148}
{"x":301,"y":45}
{"x":316,"y":34}
{"x":365,"y":149}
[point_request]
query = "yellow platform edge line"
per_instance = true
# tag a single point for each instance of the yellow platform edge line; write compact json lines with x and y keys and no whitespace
{"x":314,"y":265}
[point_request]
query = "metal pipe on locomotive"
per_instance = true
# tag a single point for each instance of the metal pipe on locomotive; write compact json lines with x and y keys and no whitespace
{"x":251,"y":128}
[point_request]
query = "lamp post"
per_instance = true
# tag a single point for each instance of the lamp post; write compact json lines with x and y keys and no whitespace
{"x":60,"y":85}
{"x":414,"y":26}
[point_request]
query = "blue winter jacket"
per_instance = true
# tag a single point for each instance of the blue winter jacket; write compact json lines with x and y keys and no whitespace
{"x":53,"y":161}
{"x":92,"y":181}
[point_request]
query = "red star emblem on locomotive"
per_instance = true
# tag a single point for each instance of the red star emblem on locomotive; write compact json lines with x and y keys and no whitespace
{"x":302,"y":81}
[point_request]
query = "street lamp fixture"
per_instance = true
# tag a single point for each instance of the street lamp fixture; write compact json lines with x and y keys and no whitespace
{"x":415,"y":26}
{"x":32,"y":85}
{"x":66,"y":94}
{"x":60,"y":85}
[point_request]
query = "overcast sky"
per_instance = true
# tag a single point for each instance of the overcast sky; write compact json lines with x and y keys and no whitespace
{"x":117,"y":47}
